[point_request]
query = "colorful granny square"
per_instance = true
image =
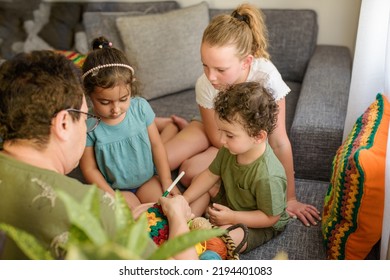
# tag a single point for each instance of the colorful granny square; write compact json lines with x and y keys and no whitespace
{"x":158,"y":224}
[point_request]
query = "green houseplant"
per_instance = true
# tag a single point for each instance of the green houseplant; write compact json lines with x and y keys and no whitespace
{"x":88,"y":240}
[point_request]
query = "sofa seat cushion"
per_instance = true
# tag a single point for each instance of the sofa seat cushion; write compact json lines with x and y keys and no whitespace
{"x":298,"y":241}
{"x":181,"y":103}
{"x":354,"y":203}
{"x":165,"y":48}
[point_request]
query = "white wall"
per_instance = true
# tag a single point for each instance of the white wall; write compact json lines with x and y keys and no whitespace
{"x":338,"y":19}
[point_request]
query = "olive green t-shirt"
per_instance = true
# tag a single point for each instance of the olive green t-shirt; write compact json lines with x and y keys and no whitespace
{"x":28,"y":201}
{"x":260,"y":185}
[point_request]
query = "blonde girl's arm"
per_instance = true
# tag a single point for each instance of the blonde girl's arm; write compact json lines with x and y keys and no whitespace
{"x":280,"y":143}
{"x":91,"y":172}
{"x":200,"y":185}
{"x":281,"y":146}
{"x":210,"y":126}
{"x":160,"y":157}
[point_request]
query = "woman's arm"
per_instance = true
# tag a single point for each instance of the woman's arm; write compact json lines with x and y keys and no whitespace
{"x":178,"y":213}
{"x":91,"y":172}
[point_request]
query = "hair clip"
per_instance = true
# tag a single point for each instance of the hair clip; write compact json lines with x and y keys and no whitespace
{"x":239,"y":17}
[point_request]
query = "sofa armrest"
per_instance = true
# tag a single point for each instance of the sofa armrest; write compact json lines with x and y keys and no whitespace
{"x":318,"y":124}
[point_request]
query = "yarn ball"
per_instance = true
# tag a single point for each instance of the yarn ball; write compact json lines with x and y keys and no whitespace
{"x":209,"y":255}
{"x":158,"y":224}
{"x":217,"y":245}
{"x":199,"y":223}
{"x":200,"y":247}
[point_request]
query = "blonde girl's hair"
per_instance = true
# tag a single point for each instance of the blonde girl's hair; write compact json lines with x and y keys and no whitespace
{"x":245,"y":28}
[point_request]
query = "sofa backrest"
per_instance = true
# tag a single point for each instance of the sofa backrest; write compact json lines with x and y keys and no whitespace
{"x":292,"y":39}
{"x":292,"y":33}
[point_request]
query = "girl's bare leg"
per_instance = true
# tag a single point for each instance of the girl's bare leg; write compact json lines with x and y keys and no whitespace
{"x":180,"y":122}
{"x":131,"y":199}
{"x":151,"y":191}
{"x":199,"y":206}
{"x":166,"y":127}
{"x":169,"y":132}
{"x":196,"y":164}
{"x":169,"y":127}
{"x":188,"y":142}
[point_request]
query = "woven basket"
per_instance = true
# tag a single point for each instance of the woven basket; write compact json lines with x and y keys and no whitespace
{"x":232,"y":249}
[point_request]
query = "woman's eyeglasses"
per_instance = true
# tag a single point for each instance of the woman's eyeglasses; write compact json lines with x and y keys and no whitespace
{"x":91,"y":125}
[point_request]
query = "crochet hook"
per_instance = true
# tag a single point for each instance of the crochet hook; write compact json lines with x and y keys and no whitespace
{"x":173,"y":184}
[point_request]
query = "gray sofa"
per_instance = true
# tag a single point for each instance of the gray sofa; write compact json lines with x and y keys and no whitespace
{"x":318,"y":75}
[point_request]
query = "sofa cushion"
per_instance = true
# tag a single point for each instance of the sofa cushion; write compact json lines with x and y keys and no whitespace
{"x":298,"y":241}
{"x":100,"y":20}
{"x":292,"y":40}
{"x":353,"y":207}
{"x":165,"y":48}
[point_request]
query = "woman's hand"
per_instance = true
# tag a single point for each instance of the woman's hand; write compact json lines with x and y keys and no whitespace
{"x":176,"y":208}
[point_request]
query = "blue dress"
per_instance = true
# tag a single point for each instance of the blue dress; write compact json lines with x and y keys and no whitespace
{"x":123,"y":152}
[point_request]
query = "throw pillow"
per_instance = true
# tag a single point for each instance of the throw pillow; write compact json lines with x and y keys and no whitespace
{"x":100,"y":17}
{"x":165,"y":48}
{"x":76,"y":57}
{"x":98,"y":24}
{"x":354,"y":203}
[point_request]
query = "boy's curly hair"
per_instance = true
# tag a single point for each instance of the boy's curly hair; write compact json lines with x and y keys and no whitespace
{"x":249,"y":104}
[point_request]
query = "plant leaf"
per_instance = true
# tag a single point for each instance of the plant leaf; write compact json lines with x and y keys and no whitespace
{"x":123,"y":216}
{"x":83,"y":219}
{"x":109,"y":251}
{"x":29,"y":245}
{"x":173,"y":246}
{"x":91,"y":202}
{"x":138,"y":238}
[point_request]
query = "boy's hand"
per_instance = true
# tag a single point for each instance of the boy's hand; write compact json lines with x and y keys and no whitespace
{"x":219,"y":214}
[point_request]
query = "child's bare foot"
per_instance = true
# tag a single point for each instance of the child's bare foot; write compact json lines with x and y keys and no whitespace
{"x":179,"y":121}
